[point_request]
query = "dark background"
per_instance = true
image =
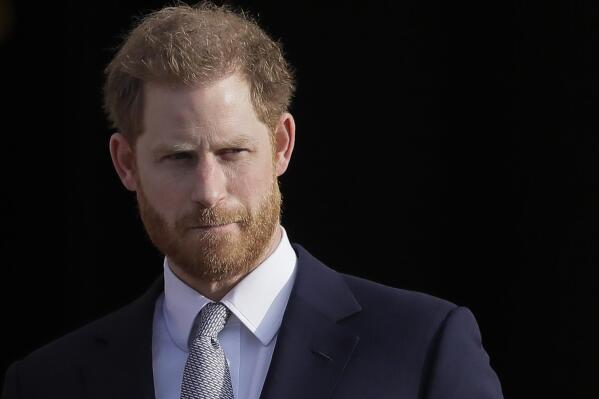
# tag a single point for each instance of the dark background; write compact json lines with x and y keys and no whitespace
{"x":445,"y":148}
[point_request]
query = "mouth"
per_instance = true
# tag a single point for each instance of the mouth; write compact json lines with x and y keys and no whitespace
{"x":213,"y":226}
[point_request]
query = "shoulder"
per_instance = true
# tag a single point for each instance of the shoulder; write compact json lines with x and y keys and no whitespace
{"x":399,"y":306}
{"x":435,"y":341}
{"x":76,"y":344}
{"x":368,"y":291}
{"x":63,"y":355}
{"x":56,"y":366}
{"x":378,"y":303}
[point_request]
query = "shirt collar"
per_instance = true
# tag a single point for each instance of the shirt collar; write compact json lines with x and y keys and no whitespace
{"x":258,"y":300}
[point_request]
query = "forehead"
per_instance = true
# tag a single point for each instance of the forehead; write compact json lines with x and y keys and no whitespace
{"x":214,"y":111}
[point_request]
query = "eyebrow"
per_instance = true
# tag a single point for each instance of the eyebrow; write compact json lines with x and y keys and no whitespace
{"x":239,"y":141}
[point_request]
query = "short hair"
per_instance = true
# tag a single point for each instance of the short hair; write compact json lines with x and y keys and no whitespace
{"x":186,"y":45}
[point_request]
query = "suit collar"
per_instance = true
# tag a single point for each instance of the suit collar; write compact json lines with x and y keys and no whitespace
{"x":323,"y":288}
{"x":313,"y":346}
{"x":122,"y":366}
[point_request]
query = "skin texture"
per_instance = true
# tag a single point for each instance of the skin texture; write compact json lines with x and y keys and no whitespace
{"x":204,"y":158}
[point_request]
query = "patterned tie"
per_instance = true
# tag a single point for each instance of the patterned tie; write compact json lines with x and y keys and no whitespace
{"x":206,"y":374}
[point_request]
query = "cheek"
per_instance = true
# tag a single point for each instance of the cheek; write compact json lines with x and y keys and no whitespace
{"x":164,"y":195}
{"x":251,"y":183}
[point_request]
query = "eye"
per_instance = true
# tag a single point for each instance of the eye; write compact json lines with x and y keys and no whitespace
{"x":179,"y":156}
{"x":233,"y":151}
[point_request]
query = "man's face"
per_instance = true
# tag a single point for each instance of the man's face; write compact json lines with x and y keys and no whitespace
{"x":206,"y":160}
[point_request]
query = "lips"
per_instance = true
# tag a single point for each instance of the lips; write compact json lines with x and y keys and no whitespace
{"x":210,"y":226}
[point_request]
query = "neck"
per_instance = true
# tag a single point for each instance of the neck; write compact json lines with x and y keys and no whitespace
{"x":216,"y":290}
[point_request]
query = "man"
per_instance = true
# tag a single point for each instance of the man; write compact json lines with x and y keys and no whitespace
{"x":199,"y":96}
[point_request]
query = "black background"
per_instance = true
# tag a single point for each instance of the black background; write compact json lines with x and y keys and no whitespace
{"x":444,"y":148}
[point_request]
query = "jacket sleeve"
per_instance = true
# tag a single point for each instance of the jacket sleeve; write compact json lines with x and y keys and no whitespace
{"x":10,"y":390}
{"x":458,"y":365}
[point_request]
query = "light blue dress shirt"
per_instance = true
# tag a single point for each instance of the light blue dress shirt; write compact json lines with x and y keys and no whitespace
{"x":257,"y":304}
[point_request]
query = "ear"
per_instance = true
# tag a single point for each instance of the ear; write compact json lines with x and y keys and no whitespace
{"x":284,"y":142}
{"x":123,"y":159}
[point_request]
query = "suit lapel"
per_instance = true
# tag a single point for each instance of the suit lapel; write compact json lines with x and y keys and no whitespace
{"x":312,"y":349}
{"x":122,"y":366}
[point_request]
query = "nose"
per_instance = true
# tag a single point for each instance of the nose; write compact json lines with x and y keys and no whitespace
{"x":210,"y":182}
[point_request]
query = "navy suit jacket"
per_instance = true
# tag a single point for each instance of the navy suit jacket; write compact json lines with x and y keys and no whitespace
{"x":341,"y":337}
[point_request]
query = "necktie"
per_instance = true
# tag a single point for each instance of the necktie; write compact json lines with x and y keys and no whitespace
{"x":206,"y":374}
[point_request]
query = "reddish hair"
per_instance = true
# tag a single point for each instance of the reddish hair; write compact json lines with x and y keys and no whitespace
{"x":191,"y":45}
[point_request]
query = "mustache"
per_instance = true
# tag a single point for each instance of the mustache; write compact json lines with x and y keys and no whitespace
{"x":211,"y":216}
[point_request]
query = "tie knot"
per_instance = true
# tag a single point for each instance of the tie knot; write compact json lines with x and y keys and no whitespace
{"x":213,"y":318}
